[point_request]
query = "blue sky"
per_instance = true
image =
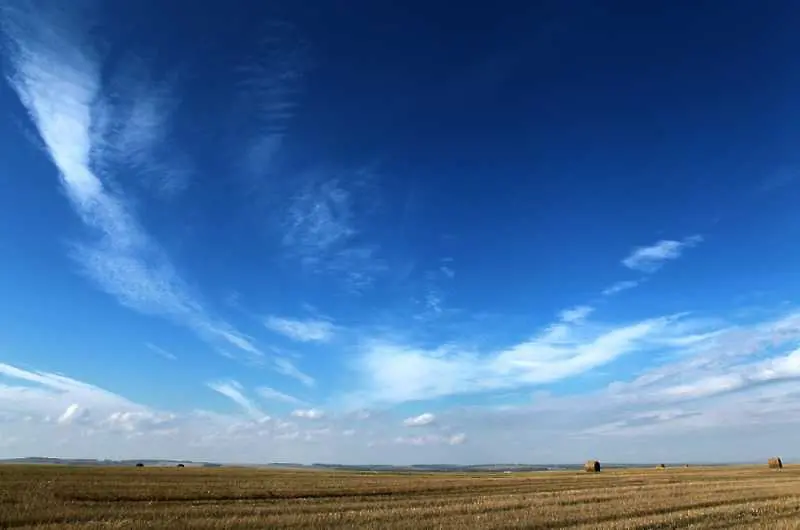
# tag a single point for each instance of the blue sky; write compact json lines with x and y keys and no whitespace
{"x":537,"y":232}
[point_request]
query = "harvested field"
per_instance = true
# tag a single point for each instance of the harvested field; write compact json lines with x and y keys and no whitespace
{"x":50,"y":497}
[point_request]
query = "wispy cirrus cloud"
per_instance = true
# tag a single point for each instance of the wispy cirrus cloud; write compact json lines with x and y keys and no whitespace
{"x":650,"y":258}
{"x":312,"y":330}
{"x":271,"y":394}
{"x":621,"y":286}
{"x":431,"y":439}
{"x":234,"y":391}
{"x":161,"y":351}
{"x":55,"y":72}
{"x":270,"y":79}
{"x":54,"y":396}
{"x":286,"y":367}
{"x":395,"y":373}
{"x":576,"y":314}
{"x":135,"y":132}
{"x":322,"y":231}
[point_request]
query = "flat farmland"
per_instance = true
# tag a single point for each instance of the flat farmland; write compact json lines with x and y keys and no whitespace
{"x":50,"y":497}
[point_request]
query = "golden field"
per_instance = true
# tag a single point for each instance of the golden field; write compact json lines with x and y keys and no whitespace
{"x":50,"y":497}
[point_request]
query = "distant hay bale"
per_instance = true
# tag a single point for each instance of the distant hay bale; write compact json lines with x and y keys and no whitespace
{"x":592,"y":466}
{"x":661,"y":466}
{"x":685,"y":465}
{"x":139,"y":464}
{"x":775,"y":463}
{"x":180,"y":465}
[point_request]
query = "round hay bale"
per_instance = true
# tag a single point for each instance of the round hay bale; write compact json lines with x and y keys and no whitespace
{"x":592,"y":466}
{"x":139,"y":464}
{"x":775,"y":463}
{"x":180,"y":465}
{"x":661,"y":466}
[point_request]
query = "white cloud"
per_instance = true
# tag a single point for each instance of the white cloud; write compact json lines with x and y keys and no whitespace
{"x":274,"y":395}
{"x":418,"y":421}
{"x":302,"y":330}
{"x":394,"y":373}
{"x":56,"y":75}
{"x":286,"y":367}
{"x":273,"y":73}
{"x":576,"y":314}
{"x":321,"y":230}
{"x":457,"y":439}
{"x":69,"y":414}
{"x":621,"y":286}
{"x":234,"y":391}
{"x":55,"y":398}
{"x":650,"y":258}
{"x":309,"y":414}
{"x":141,"y":421}
{"x":727,"y":396}
{"x":161,"y":351}
{"x":431,"y":439}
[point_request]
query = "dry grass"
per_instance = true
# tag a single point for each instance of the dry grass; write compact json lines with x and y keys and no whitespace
{"x":61,"y":497}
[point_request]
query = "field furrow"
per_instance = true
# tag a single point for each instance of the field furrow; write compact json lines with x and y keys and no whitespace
{"x":49,"y":497}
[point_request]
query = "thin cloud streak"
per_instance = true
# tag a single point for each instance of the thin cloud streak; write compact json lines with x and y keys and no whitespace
{"x":271,"y":394}
{"x":162,"y":352}
{"x":420,"y":421}
{"x":286,"y":367}
{"x":301,"y":330}
{"x":621,"y":286}
{"x":650,"y":258}
{"x":576,"y":314}
{"x":234,"y":391}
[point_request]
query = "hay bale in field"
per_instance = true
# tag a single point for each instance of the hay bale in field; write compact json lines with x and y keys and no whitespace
{"x":139,"y":464}
{"x":592,"y":466}
{"x":180,"y":465}
{"x":661,"y":466}
{"x":775,"y":463}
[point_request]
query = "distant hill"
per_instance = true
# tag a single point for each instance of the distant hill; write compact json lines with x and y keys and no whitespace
{"x":94,"y":462}
{"x":418,"y":468}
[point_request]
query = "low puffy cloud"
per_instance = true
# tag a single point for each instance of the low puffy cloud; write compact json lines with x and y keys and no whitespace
{"x":418,"y":421}
{"x":309,"y":414}
{"x":70,"y":414}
